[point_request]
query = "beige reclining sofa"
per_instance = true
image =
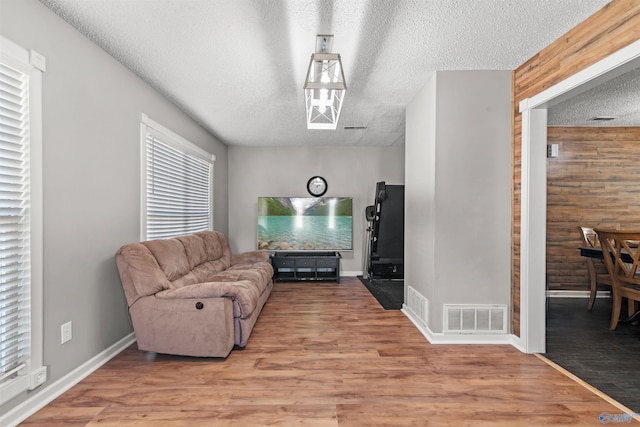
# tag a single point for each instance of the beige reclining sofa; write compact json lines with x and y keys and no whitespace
{"x":190,"y":296}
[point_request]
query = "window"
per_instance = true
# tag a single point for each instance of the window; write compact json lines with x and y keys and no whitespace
{"x":20,"y":220}
{"x":177,"y":184}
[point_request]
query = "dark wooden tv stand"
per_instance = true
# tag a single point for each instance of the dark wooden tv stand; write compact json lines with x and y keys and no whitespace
{"x":312,"y":266}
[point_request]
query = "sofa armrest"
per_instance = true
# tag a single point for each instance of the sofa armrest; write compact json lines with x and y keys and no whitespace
{"x":199,"y":290}
{"x":178,"y":326}
{"x":245,"y":293}
{"x":140,"y":272}
{"x":250,"y":257}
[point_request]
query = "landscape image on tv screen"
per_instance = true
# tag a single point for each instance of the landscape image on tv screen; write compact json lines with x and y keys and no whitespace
{"x":305,"y":223}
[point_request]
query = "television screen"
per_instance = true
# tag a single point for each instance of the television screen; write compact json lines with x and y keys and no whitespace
{"x":305,"y":223}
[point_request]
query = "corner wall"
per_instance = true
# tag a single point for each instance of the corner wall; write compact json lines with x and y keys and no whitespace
{"x":420,"y":192}
{"x":458,"y":181}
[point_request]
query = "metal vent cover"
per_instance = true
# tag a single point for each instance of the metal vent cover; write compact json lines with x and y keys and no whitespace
{"x":475,"y":319}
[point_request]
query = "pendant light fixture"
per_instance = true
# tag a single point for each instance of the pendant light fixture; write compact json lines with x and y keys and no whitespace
{"x":324,"y":87}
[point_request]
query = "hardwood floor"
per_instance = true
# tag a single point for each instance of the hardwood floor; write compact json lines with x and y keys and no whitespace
{"x":328,"y":355}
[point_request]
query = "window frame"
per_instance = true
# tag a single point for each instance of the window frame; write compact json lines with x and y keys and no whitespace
{"x":177,"y":142}
{"x":34,"y":373}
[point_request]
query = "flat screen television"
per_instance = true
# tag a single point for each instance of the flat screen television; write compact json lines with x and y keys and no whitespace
{"x":305,"y":223}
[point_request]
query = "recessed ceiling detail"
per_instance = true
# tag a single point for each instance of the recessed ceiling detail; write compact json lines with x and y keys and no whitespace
{"x":615,"y":102}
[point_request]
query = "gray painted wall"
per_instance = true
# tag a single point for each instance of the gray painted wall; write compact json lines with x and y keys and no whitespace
{"x":91,"y":115}
{"x":458,"y":184}
{"x":284,"y":171}
{"x":420,"y":176}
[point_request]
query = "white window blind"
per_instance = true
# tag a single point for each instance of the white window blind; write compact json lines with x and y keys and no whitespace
{"x":15,"y":280}
{"x":178,"y":179}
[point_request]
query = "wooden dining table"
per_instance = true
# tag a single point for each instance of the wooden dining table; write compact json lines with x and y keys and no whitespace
{"x":591,"y":252}
{"x":596,"y":252}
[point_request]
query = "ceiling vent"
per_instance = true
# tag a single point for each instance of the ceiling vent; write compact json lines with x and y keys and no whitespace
{"x":354,"y":127}
{"x":603,"y":118}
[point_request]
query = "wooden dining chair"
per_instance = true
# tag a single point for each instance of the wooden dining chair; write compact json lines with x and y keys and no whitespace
{"x":598,"y":274}
{"x":622,"y":258}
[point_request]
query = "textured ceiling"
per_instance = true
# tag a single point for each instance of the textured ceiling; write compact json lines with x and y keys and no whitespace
{"x":238,"y":66}
{"x":618,"y":98}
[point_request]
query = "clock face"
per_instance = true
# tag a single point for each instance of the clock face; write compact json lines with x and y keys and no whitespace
{"x":317,"y":186}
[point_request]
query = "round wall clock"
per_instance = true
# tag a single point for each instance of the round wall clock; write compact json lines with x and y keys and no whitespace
{"x":317,"y":186}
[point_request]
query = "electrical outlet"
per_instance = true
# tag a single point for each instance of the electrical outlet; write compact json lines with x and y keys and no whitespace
{"x":37,"y":378}
{"x":66,"y":332}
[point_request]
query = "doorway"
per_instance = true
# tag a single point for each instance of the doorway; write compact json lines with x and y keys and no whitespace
{"x":534,"y":182}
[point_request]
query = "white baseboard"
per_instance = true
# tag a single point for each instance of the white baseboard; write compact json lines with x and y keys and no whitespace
{"x":577,"y":294}
{"x":350,"y":273}
{"x":513,"y":340}
{"x":439,"y":338}
{"x":518,"y":343}
{"x":42,"y":398}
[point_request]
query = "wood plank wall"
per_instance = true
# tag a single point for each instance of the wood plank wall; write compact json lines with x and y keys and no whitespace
{"x":613,"y":27}
{"x":594,"y":181}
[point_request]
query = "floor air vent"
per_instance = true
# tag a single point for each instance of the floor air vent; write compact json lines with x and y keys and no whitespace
{"x":417,"y":304}
{"x":475,"y":319}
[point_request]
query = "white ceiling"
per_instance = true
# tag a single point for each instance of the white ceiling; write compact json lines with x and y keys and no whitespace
{"x":618,"y":97}
{"x":238,"y":66}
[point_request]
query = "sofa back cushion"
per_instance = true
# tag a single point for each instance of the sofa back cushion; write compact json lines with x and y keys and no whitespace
{"x":156,"y":265}
{"x":217,"y":247}
{"x":195,"y":250}
{"x":191,"y":259}
{"x":171,"y":257}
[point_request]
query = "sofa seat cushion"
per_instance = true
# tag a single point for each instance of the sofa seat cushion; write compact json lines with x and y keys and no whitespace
{"x":260,"y":273}
{"x":207,"y":270}
{"x":250,"y":257}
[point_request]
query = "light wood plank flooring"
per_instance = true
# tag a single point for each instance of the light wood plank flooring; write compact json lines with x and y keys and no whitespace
{"x":328,"y":355}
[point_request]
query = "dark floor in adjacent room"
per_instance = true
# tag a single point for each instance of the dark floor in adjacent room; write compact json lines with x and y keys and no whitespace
{"x":388,"y":292}
{"x":580,"y":341}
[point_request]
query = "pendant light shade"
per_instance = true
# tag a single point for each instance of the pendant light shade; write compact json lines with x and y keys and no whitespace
{"x":324,"y":88}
